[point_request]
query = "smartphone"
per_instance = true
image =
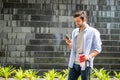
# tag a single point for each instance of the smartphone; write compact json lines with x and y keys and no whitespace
{"x":66,"y":37}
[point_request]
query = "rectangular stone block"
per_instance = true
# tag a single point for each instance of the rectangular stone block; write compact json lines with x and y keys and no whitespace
{"x":41,"y":18}
{"x":7,"y":11}
{"x":26,"y":29}
{"x":105,"y":37}
{"x":11,"y":41}
{"x":11,"y":1}
{"x":20,"y":5}
{"x":56,"y":1}
{"x":30,"y":35}
{"x":78,"y":1}
{"x":6,"y":17}
{"x":23,"y":54}
{"x":31,"y":1}
{"x":14,"y":23}
{"x":65,"y":1}
{"x":26,"y":41}
{"x":20,"y":47}
{"x":20,"y":60}
{"x":5,"y":41}
{"x":3,"y":23}
{"x":41,"y":1}
{"x":115,"y":37}
{"x":17,"y":41}
{"x":47,"y":7}
{"x":3,"y":35}
{"x":45,"y":42}
{"x":44,"y":36}
{"x":27,"y":59}
{"x":7,"y":29}
{"x":0,"y":41}
{"x":115,"y":31}
{"x":21,"y":35}
{"x":110,"y":2}
{"x":63,"y":18}
{"x":27,"y":66}
{"x":49,"y":60}
{"x":8,"y":5}
{"x":10,"y":60}
{"x":34,"y":6}
{"x":110,"y":48}
{"x":2,"y":53}
{"x":3,"y":60}
{"x":37,"y":24}
{"x":102,"y":2}
{"x":60,"y":1}
{"x":110,"y":43}
{"x":12,"y":47}
{"x":73,"y":7}
{"x":39,"y":48}
{"x":12,"y":35}
{"x":14,"y":54}
{"x":1,"y":17}
{"x":17,"y":29}
{"x":73,"y":1}
{"x":55,"y":7}
{"x":47,"y":1}
{"x":103,"y":30}
{"x":63,"y":6}
{"x":46,"y":54}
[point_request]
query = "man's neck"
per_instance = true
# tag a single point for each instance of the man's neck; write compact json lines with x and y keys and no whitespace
{"x":82,"y":28}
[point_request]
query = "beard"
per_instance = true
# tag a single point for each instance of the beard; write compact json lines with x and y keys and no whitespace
{"x":81,"y":25}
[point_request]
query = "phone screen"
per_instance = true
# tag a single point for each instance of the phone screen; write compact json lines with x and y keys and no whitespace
{"x":66,"y":37}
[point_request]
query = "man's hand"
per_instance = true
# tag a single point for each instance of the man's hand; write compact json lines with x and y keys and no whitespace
{"x":69,"y":43}
{"x":93,"y":54}
{"x":84,"y":57}
{"x":87,"y":57}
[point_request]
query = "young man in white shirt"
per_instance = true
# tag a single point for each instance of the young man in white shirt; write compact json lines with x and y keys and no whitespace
{"x":85,"y":41}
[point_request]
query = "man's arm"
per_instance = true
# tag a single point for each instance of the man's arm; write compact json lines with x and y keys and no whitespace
{"x":93,"y":54}
{"x":96,"y":46}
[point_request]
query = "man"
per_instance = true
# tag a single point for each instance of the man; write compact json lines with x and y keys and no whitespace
{"x":85,"y":41}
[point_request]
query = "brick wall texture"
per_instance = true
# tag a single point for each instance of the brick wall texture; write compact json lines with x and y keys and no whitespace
{"x":32,"y":32}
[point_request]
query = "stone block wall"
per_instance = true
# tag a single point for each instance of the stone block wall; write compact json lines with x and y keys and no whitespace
{"x":32,"y":32}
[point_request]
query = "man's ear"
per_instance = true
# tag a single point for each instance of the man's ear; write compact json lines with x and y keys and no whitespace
{"x":85,"y":19}
{"x":82,"y":18}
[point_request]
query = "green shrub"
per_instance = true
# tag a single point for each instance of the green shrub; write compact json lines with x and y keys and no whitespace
{"x":101,"y":74}
{"x":50,"y":75}
{"x":63,"y":75}
{"x":117,"y":75}
{"x":6,"y":72}
{"x":31,"y":75}
{"x":19,"y":74}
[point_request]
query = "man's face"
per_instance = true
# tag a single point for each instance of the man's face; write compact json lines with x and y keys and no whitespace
{"x":78,"y":21}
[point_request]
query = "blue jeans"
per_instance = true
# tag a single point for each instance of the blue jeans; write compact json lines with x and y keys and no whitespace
{"x":76,"y":71}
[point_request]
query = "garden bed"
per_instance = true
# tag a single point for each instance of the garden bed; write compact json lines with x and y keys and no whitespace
{"x":10,"y":73}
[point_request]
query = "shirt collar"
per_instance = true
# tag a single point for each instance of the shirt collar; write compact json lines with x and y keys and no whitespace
{"x":87,"y":26}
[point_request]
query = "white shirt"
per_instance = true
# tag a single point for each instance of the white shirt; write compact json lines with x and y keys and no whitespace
{"x":92,"y":42}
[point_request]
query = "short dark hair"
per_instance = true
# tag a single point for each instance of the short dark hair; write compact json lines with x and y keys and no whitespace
{"x":81,"y":14}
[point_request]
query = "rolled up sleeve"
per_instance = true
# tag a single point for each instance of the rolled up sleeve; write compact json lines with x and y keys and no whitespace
{"x":97,"y":43}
